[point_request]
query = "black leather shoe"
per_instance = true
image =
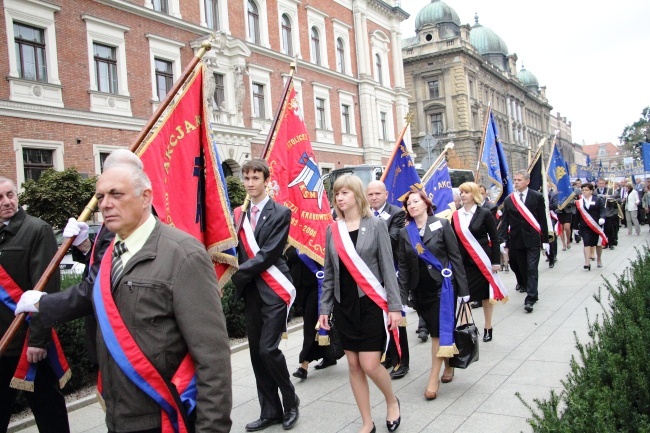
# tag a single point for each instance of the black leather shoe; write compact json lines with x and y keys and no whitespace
{"x":423,"y":335}
{"x":551,"y":265}
{"x":291,"y":416}
{"x":611,"y":247}
{"x":301,"y":373}
{"x":528,"y":308}
{"x":261,"y":424}
{"x":476,"y":304}
{"x":487,"y":335}
{"x":393,"y":425}
{"x":400,"y":372}
{"x":325,"y":363}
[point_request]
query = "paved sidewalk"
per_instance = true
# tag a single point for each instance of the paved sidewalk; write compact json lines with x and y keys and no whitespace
{"x":529,"y":354}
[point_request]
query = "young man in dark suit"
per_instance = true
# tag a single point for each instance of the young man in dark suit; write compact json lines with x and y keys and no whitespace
{"x":265,"y":310}
{"x":522,"y":241}
{"x":394,"y":217}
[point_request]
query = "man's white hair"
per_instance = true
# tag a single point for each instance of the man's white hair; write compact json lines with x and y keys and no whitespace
{"x":123,"y":157}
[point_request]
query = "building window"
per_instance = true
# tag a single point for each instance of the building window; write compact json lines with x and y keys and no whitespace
{"x":380,"y":76}
{"x":219,"y":92}
{"x":434,"y":90}
{"x":320,"y":113}
{"x":286,"y":36}
{"x":36,"y":161}
{"x":30,"y":52}
{"x":345,"y":118}
{"x":258,"y":100}
{"x":383,"y":125}
{"x":340,"y":55}
{"x":212,"y":14}
{"x":161,"y":6}
{"x":105,"y":68}
{"x":102,"y":160}
{"x":253,"y":22}
{"x":471,"y":88}
{"x":436,"y":124}
{"x":164,"y":77}
{"x":315,"y":46}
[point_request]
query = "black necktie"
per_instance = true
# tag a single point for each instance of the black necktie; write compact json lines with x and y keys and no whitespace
{"x":117,"y":268}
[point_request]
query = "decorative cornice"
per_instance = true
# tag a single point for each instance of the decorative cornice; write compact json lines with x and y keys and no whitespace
{"x":394,"y":11}
{"x":63,"y":115}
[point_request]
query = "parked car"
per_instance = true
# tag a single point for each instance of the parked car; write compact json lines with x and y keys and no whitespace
{"x":68,"y":265}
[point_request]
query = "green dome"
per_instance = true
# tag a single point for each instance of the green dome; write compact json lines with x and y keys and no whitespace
{"x":527,"y":78}
{"x":434,"y":13}
{"x":486,"y":41}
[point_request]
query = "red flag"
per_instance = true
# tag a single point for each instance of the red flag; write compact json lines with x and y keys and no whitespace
{"x":189,"y":190}
{"x":296,"y":181}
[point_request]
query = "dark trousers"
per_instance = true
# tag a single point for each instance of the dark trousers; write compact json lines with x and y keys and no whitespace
{"x":264,"y":326}
{"x":47,"y":402}
{"x":611,"y":230}
{"x":311,"y":351}
{"x":392,"y":356}
{"x":526,"y":262}
{"x":641,"y":213}
{"x":514,"y":266}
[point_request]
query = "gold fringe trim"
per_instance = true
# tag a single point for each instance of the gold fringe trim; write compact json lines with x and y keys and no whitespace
{"x":447,"y":351}
{"x":383,"y":357}
{"x":323,"y":340}
{"x":505,"y":300}
{"x":22,"y":384}
{"x":285,"y":335}
{"x":65,"y":378}
{"x":100,"y":399}
{"x":403,"y":323}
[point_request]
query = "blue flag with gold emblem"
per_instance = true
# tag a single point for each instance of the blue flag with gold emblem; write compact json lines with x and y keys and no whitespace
{"x":400,"y":174}
{"x":559,"y":179}
{"x":494,"y":160}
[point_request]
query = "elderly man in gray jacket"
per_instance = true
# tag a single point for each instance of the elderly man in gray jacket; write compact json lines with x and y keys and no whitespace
{"x":164,"y":287}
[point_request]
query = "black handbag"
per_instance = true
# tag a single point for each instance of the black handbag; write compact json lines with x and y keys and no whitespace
{"x":466,"y":340}
{"x":334,"y":350}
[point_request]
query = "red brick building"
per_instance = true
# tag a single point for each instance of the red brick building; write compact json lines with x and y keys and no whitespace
{"x":82,"y":76}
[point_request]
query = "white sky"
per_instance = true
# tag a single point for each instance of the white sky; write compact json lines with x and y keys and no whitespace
{"x":593,"y":60}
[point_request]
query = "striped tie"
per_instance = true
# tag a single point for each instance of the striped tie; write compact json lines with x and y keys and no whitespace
{"x":117,"y":268}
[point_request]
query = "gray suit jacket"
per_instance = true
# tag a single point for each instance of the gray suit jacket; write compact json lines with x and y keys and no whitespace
{"x":373,"y":246}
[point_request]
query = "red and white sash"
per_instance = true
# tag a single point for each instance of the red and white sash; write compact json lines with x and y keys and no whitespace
{"x":525,"y":212}
{"x":272,"y":276}
{"x":498,"y":291}
{"x":557,"y":227}
{"x":362,"y":274}
{"x":593,"y":225}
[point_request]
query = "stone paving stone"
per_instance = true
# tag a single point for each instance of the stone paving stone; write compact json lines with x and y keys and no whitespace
{"x":491,"y":423}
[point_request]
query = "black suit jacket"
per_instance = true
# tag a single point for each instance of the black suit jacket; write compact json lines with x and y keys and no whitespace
{"x":596,"y":210}
{"x":482,"y":226}
{"x":271,"y":234}
{"x":443,"y":245}
{"x":395,"y":222}
{"x":522,"y":235}
{"x":493,"y":208}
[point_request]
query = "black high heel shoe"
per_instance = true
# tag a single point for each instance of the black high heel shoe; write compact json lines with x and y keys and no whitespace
{"x":393,"y":425}
{"x":487,"y":335}
{"x":588,"y":267}
{"x":374,"y":428}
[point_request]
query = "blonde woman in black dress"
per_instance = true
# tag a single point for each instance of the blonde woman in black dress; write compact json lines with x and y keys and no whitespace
{"x":360,"y":291}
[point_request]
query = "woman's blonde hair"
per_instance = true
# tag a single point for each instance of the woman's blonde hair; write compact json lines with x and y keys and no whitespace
{"x":474,"y":189}
{"x":354,"y":184}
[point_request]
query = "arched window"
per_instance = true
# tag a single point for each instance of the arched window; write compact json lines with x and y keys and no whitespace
{"x":340,"y":55}
{"x":315,"y":45}
{"x":253,"y":22}
{"x":286,"y":35}
{"x":380,"y":75}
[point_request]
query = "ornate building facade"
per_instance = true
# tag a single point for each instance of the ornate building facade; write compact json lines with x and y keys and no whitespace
{"x":84,"y":76}
{"x":453,"y":72}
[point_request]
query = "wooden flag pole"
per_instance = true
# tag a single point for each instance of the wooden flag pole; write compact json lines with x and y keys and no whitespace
{"x":408,"y":118}
{"x":92,"y":204}
{"x":269,"y":140}
{"x":477,"y":175}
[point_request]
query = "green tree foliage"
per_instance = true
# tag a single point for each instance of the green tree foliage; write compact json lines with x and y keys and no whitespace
{"x":639,"y":131}
{"x":608,"y":388}
{"x":57,"y":195}
{"x":236,"y":191}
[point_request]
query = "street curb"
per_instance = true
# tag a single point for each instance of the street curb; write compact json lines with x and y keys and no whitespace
{"x":90,"y":399}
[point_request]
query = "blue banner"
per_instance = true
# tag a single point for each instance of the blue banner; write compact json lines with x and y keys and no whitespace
{"x":559,"y":179}
{"x":494,"y":160}
{"x":645,"y":150}
{"x":438,"y":187}
{"x":400,"y":175}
